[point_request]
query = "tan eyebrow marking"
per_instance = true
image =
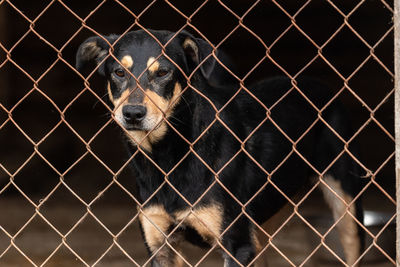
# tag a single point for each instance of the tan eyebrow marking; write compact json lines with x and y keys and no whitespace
{"x":127,"y":61}
{"x":152,"y":64}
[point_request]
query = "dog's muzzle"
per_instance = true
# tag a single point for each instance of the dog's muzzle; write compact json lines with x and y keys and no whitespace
{"x":133,"y":116}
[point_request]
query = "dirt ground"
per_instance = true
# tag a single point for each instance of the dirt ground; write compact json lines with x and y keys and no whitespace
{"x":92,"y":241}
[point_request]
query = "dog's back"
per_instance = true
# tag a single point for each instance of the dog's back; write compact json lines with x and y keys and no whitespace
{"x":285,"y":136}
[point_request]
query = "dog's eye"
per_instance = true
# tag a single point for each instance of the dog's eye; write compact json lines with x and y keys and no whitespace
{"x":161,"y":73}
{"x":119,"y":72}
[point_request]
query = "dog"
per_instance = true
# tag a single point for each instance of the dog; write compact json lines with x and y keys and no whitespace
{"x":214,"y":160}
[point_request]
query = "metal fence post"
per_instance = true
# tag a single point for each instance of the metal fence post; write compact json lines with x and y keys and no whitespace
{"x":397,"y":119}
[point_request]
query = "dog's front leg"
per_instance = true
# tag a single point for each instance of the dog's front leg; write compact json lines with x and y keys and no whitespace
{"x":156,"y":223}
{"x":240,"y":246}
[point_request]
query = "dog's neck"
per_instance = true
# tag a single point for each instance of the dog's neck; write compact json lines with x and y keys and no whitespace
{"x":190,"y":128}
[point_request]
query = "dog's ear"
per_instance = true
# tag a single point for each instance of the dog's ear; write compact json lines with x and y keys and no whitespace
{"x":196,"y":50}
{"x":94,"y":48}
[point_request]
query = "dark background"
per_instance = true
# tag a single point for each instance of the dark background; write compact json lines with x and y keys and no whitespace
{"x":37,"y":116}
{"x":51,"y":114}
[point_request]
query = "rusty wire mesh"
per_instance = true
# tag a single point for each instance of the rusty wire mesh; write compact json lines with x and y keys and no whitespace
{"x":36,"y":145}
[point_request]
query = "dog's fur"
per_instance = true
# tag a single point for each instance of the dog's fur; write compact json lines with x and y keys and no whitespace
{"x":209,"y":168}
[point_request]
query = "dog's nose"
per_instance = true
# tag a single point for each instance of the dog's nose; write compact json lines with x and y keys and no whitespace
{"x":133,"y":113}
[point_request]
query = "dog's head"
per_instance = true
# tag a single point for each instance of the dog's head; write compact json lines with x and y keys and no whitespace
{"x":144,"y":83}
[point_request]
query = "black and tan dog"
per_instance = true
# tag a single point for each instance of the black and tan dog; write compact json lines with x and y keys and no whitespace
{"x":212,"y":164}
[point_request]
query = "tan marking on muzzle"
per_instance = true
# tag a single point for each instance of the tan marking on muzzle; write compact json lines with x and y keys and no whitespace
{"x":118,"y":103}
{"x":139,"y":138}
{"x":152,"y":64}
{"x":127,"y":61}
{"x":157,"y":106}
{"x":110,"y":96}
{"x":174,"y":99}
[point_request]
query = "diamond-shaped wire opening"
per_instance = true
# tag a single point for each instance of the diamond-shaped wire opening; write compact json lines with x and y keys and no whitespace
{"x":125,"y":181}
{"x":375,"y":11}
{"x":201,"y":21}
{"x":341,"y":46}
{"x":350,"y":104}
{"x":269,"y":31}
{"x":247,"y":58}
{"x":368,"y":91}
{"x":89,"y":239}
{"x":302,"y":51}
{"x":42,"y":119}
{"x":385,"y":206}
{"x":60,"y":90}
{"x":323,"y":73}
{"x":30,"y":177}
{"x":62,"y":154}
{"x":105,"y":205}
{"x":84,"y":109}
{"x":327,"y":18}
{"x":67,"y":23}
{"x":84,"y":181}
{"x":29,"y":61}
{"x":294,"y":228}
{"x":111,"y":151}
{"x":258,"y":73}
{"x":52,"y":209}
{"x":36,"y":231}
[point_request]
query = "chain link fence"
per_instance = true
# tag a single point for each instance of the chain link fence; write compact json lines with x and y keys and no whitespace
{"x":67,"y":196}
